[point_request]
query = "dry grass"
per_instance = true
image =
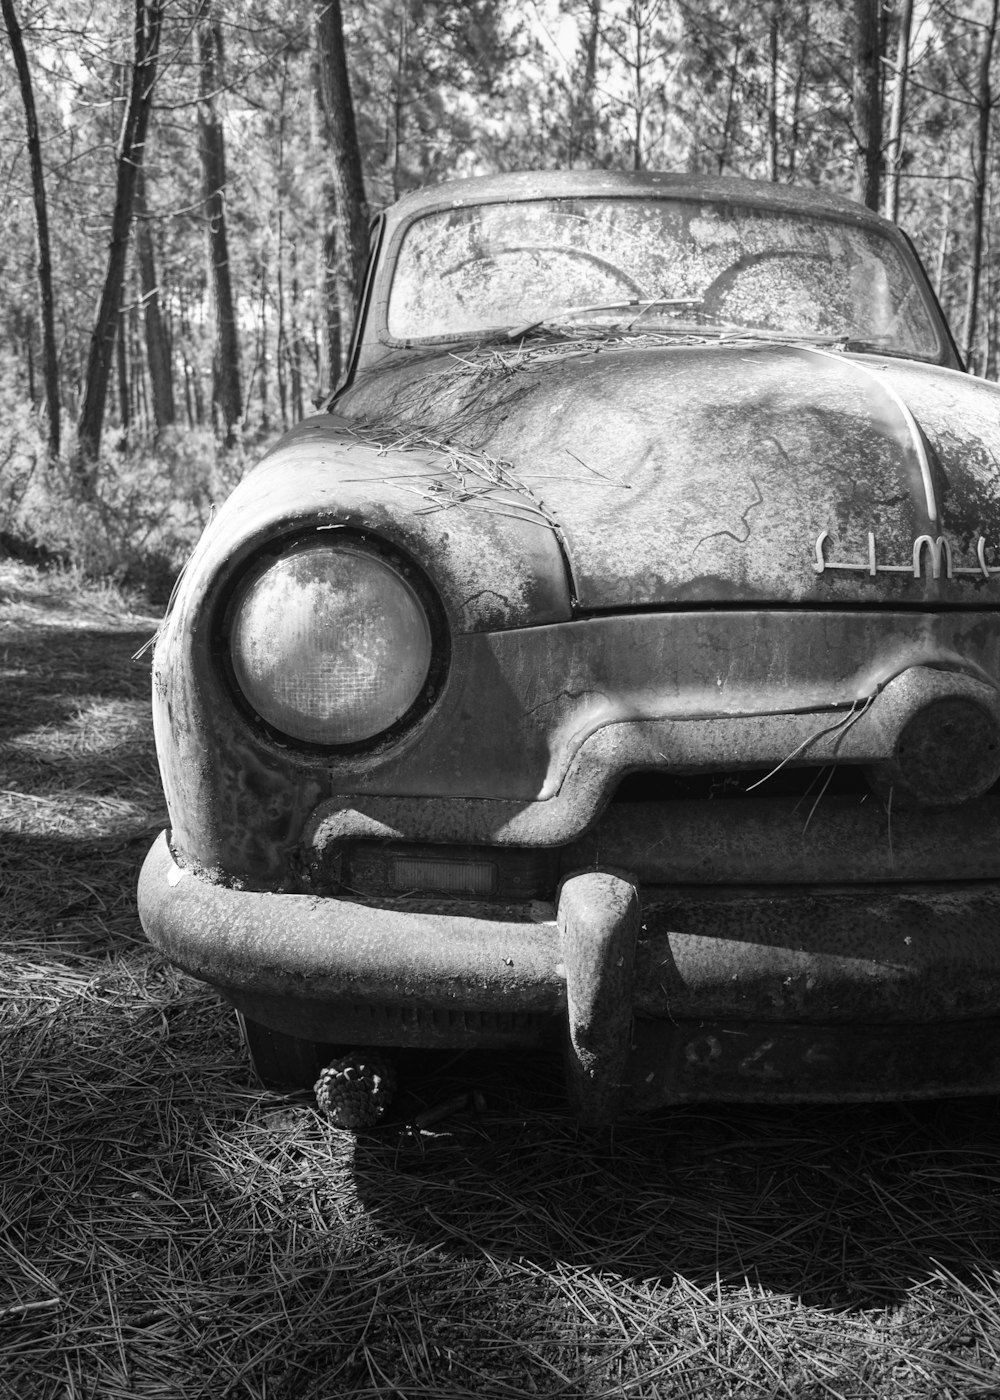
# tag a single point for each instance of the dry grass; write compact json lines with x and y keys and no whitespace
{"x":544,"y":345}
{"x":454,"y":419}
{"x":167,"y":1230}
{"x":460,"y":476}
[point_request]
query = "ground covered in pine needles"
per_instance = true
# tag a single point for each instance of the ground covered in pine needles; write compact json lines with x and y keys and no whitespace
{"x":168,"y":1230}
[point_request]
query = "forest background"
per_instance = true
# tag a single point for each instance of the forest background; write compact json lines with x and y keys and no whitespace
{"x":186,"y":188}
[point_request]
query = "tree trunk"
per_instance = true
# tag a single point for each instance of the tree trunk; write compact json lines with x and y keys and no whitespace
{"x":797,"y":91}
{"x":137,"y":360}
{"x":894,"y":151}
{"x":398,"y":100}
{"x":992,"y":322}
{"x":124,"y":402}
{"x":227,"y":396}
{"x":346,"y":244}
{"x":581,"y":105}
{"x":773,"y":36}
{"x":867,"y":102}
{"x":987,"y":358}
{"x":727,"y":125}
{"x":984,"y":108}
{"x":942,"y":252}
{"x":157,"y":341}
{"x":265,"y":388}
{"x":49,"y":357}
{"x":638,"y":19}
{"x":282,"y":315}
{"x":335,"y":343}
{"x":29,"y":355}
{"x":295,"y":349}
{"x":148,"y":19}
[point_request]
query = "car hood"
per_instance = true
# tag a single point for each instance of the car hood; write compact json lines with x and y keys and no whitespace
{"x":742,"y":472}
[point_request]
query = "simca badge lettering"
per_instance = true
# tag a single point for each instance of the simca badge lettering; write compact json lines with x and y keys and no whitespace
{"x":937,"y":553}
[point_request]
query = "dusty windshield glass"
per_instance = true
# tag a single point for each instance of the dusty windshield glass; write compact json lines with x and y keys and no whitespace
{"x":656,"y":264}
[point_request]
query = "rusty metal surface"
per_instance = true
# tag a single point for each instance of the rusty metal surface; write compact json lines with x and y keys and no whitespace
{"x":773,"y":973}
{"x":812,"y":838}
{"x":599,"y":923}
{"x":817,"y":840}
{"x":398,"y":1024}
{"x":863,"y":735}
{"x":723,"y":466}
{"x":863,"y":953}
{"x":293,"y":946}
{"x":535,"y":726}
{"x":501,"y":568}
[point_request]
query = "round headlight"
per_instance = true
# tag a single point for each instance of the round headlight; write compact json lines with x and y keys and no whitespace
{"x":330,"y":644}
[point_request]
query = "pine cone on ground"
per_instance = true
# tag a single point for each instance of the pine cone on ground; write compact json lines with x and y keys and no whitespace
{"x":355,"y":1091}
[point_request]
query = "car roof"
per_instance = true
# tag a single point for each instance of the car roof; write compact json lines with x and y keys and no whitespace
{"x":583,"y":184}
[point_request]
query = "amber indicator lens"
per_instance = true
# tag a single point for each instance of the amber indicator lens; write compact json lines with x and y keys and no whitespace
{"x":330,"y":644}
{"x":444,"y":876}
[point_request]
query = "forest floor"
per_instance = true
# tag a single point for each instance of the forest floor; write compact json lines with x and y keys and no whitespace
{"x":167,"y":1229}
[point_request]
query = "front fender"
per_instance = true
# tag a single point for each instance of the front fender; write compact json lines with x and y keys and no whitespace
{"x":490,"y":550}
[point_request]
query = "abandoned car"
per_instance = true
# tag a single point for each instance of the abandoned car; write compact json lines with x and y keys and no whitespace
{"x":615,"y":662}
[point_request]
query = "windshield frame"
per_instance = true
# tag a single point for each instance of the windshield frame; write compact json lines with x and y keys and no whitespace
{"x":376,"y":342}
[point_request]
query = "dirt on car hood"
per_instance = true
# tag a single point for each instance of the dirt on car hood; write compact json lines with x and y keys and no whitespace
{"x":728,"y":473}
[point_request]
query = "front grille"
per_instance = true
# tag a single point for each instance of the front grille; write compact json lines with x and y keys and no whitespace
{"x":796,"y":782}
{"x":818,"y":839}
{"x":809,"y":825}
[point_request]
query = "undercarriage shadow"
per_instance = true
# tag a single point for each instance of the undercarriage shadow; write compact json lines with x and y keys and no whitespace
{"x":840,"y":1207}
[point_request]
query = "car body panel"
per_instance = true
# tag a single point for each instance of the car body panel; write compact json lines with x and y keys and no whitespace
{"x":535,"y":726}
{"x":505,"y":570}
{"x":730,"y":463}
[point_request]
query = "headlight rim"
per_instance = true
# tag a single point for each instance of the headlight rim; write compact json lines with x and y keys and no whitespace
{"x":277,"y":547}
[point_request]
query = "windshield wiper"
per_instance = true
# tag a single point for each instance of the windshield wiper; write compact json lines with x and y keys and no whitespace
{"x":873,"y":347}
{"x":782,"y":337}
{"x":565,"y":313}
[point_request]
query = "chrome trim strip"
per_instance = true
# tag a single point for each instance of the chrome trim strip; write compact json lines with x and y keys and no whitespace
{"x":916,"y":436}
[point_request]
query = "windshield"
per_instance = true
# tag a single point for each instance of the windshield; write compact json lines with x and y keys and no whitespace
{"x":656,"y":265}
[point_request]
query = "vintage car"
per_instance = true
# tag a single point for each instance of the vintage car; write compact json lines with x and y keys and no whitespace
{"x":614,"y":663}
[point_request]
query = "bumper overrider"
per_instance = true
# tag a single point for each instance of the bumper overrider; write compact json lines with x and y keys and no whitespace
{"x":659,"y":994}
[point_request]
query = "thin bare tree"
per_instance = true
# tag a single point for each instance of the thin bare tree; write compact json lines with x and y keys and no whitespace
{"x":227,"y":391}
{"x":894,"y":147}
{"x":45,"y":293}
{"x":129,"y":156}
{"x":868,"y":101}
{"x":346,"y":243}
{"x":984,"y":102}
{"x":157,"y":341}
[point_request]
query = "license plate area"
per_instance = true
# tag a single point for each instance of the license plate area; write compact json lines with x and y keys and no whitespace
{"x":778,"y":1062}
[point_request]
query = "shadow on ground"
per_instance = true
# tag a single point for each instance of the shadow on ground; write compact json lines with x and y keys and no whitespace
{"x":45,"y":673}
{"x":80,"y":799}
{"x":170,"y":1223}
{"x":842,"y":1207}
